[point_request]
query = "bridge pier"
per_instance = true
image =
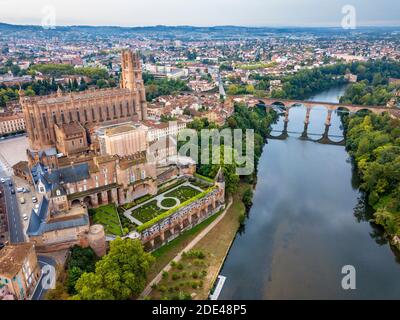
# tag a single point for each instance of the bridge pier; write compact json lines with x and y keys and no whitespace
{"x":304,"y":134}
{"x":287,"y":115}
{"x":328,"y":118}
{"x":307,"y":121}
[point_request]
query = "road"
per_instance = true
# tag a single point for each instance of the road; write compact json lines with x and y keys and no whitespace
{"x":14,"y":217}
{"x":40,"y":291}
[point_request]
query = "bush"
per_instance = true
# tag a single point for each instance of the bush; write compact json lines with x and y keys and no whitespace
{"x":162,"y":288}
{"x":165,"y":275}
{"x":175,"y":276}
{"x":195,"y":254}
{"x":242,"y":219}
{"x":195,"y":274}
{"x":180,"y":266}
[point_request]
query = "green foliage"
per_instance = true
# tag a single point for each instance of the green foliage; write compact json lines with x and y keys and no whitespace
{"x":194,"y":254}
{"x":59,"y":70}
{"x":243,"y":118}
{"x":108,"y":217}
{"x":242,"y":219}
{"x":168,"y":202}
{"x":373,"y":142}
{"x":119,"y":275}
{"x":81,"y":260}
{"x":363,"y":93}
{"x":173,"y":210}
{"x":247,"y":198}
{"x":160,"y":87}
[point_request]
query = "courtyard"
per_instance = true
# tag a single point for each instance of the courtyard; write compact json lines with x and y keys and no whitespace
{"x":108,"y":217}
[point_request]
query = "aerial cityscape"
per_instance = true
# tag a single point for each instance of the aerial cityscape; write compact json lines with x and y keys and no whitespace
{"x":234,"y":157}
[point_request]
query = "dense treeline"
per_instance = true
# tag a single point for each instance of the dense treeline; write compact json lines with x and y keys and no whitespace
{"x":243,"y":118}
{"x":373,"y":142}
{"x":160,"y":87}
{"x":310,"y":81}
{"x":374,"y":87}
{"x":364,"y":93}
{"x":373,"y":77}
{"x":59,"y":70}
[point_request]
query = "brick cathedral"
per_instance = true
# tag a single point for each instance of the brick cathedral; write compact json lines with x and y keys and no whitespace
{"x":89,"y":108}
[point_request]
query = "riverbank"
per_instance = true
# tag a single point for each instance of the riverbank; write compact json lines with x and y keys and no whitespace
{"x":372,"y":142}
{"x":219,"y":240}
{"x":152,"y":289}
{"x":214,"y":241}
{"x":308,"y":220}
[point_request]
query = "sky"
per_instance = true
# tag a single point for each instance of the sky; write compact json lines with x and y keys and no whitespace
{"x":200,"y":12}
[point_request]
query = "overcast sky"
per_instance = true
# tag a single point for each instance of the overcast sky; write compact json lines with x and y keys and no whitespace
{"x":200,"y":12}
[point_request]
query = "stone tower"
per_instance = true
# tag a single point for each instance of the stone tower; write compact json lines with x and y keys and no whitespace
{"x":131,"y":78}
{"x":97,"y":239}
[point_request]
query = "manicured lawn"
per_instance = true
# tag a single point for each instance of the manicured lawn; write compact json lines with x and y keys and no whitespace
{"x":108,"y":217}
{"x":147,"y":212}
{"x":183,"y":193}
{"x":168,"y":202}
{"x":201,"y":185}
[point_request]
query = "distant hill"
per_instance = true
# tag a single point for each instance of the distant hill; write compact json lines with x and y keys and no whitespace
{"x":189,"y":31}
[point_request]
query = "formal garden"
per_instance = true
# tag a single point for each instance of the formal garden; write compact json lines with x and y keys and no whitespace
{"x":108,"y":217}
{"x":185,"y":279}
{"x":163,"y":202}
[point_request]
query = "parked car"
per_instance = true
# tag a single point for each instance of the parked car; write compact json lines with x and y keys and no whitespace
{"x":12,"y":191}
{"x":20,"y":189}
{"x":22,"y":200}
{"x":10,"y":184}
{"x":34,"y":199}
{"x":25,"y":217}
{"x":2,"y":180}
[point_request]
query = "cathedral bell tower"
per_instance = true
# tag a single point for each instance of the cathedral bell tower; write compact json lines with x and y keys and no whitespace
{"x":131,"y":78}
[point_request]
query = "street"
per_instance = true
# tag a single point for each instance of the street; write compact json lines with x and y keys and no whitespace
{"x":40,"y":291}
{"x":13,"y":213}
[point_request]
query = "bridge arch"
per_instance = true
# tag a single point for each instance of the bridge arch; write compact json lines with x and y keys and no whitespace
{"x":278,"y":103}
{"x":343,"y":111}
{"x":363,"y":111}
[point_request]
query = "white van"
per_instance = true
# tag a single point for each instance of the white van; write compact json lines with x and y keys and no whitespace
{"x":20,"y":189}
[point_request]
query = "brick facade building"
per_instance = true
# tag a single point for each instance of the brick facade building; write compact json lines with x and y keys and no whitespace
{"x":89,"y":108}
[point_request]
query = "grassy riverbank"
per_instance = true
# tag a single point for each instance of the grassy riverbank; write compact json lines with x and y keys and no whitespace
{"x":166,"y":253}
{"x":215,"y":246}
{"x":219,"y":240}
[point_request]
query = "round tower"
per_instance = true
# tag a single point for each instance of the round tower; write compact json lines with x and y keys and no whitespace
{"x":97,"y":239}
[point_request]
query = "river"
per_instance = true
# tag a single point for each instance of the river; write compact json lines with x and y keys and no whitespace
{"x":309,"y":220}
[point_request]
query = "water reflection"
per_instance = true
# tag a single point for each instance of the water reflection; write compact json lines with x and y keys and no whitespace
{"x":308,"y":220}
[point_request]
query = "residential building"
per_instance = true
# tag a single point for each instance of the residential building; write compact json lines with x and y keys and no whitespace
{"x":19,"y":270}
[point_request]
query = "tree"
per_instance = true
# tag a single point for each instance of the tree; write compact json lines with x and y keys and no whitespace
{"x":247,"y":198}
{"x":119,"y":275}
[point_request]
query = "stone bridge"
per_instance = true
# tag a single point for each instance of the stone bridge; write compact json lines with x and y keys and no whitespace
{"x":288,"y":104}
{"x":284,"y":106}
